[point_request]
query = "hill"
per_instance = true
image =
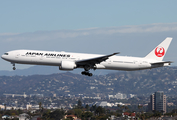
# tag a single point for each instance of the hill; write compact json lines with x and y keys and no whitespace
{"x":143,"y":82}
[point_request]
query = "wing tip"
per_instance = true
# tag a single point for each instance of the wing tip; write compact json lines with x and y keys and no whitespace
{"x":116,"y":53}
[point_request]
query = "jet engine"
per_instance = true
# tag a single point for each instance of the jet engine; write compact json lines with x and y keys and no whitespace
{"x":67,"y":65}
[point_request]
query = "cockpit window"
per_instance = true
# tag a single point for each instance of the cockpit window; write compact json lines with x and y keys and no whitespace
{"x":6,"y":53}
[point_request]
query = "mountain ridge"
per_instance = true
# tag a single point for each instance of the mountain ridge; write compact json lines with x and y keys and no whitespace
{"x":144,"y":82}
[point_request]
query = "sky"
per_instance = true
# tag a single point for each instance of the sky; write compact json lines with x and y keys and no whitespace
{"x":132,"y":27}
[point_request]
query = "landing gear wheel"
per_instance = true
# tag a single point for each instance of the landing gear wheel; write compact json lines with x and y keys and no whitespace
{"x":90,"y":74}
{"x":83,"y":73}
{"x":86,"y":73}
{"x":14,"y":68}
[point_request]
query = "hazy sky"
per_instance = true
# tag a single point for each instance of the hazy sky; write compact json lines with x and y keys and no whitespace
{"x":132,"y":27}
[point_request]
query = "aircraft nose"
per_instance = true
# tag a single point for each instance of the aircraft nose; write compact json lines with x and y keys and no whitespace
{"x":2,"y":56}
{"x":5,"y":56}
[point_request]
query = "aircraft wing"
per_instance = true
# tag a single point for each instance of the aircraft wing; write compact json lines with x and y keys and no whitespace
{"x":157,"y":63}
{"x":93,"y":61}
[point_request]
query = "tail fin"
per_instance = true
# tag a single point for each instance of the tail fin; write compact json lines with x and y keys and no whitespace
{"x":159,"y":52}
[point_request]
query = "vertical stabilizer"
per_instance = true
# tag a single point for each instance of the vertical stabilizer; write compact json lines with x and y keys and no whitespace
{"x":159,"y":52}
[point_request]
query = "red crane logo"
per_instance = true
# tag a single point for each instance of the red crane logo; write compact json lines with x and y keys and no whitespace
{"x":159,"y":51}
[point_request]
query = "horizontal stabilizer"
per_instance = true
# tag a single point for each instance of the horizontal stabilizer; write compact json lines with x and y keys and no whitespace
{"x":163,"y":62}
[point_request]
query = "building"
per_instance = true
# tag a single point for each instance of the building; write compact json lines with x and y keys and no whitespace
{"x":24,"y":116}
{"x":157,"y":102}
{"x":118,"y":96}
{"x":129,"y":115}
{"x":103,"y":104}
{"x":151,"y":104}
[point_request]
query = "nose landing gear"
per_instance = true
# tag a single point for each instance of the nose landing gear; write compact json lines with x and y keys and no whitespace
{"x":13,"y":66}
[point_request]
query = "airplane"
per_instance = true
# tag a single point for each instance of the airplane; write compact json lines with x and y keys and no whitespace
{"x":70,"y":61}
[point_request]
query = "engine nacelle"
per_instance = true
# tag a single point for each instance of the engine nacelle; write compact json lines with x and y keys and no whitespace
{"x":67,"y":65}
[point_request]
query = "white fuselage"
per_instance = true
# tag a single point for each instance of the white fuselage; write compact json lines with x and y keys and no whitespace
{"x":35,"y":57}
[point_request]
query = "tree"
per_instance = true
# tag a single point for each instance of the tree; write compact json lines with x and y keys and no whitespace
{"x":5,"y":107}
{"x":46,"y":115}
{"x":56,"y":115}
{"x":126,"y":108}
{"x":40,"y":105}
{"x":40,"y":108}
{"x":140,"y":107}
{"x":157,"y":114}
{"x":70,"y":112}
{"x":123,"y":108}
{"x":99,"y":110}
{"x":87,"y":107}
{"x":93,"y":108}
{"x":78,"y":112}
{"x":118,"y":105}
{"x":79,"y":104}
{"x":87,"y":115}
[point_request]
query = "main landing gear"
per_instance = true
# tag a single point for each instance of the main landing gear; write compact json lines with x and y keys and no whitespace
{"x":13,"y":66}
{"x":86,"y":73}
